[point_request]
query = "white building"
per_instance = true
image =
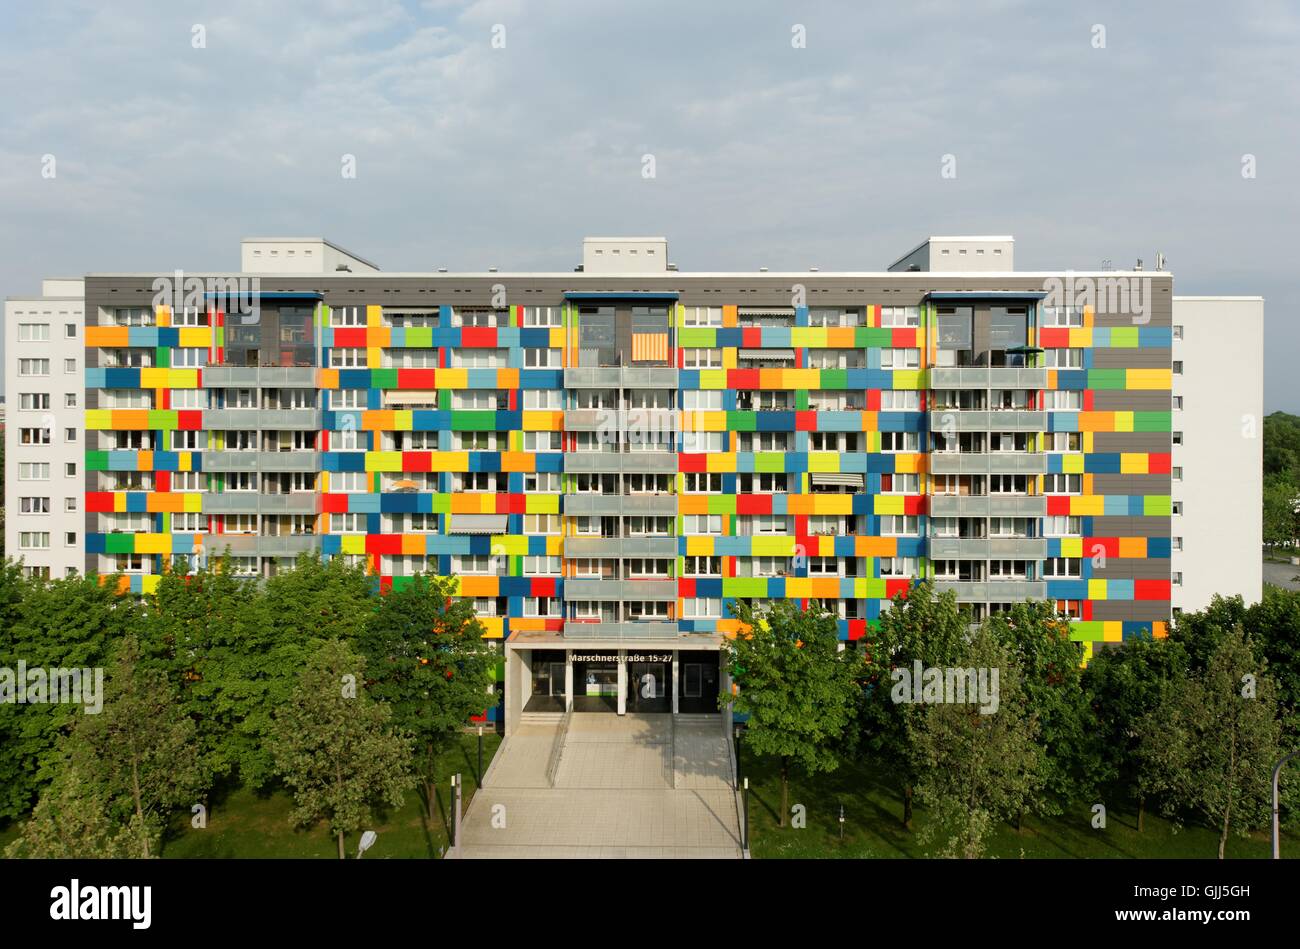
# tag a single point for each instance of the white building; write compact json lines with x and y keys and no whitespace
{"x":44,"y":452}
{"x":1218,"y":447}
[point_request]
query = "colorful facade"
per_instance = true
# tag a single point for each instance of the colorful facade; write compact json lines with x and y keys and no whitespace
{"x":608,"y":461}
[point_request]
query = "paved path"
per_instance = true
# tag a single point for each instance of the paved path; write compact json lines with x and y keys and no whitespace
{"x":1282,"y":575}
{"x":614,"y":795}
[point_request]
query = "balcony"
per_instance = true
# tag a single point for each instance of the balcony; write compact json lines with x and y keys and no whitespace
{"x":620,"y":547}
{"x":291,"y":461}
{"x":981,"y":420}
{"x":984,"y":548}
{"x":615,"y":377}
{"x":632,"y":462}
{"x":252,"y":377}
{"x":306,"y":420}
{"x":579,"y":588}
{"x":251,"y":502}
{"x":637,"y":631}
{"x":998,"y":591}
{"x":611,"y":504}
{"x":974,"y":462}
{"x":620,"y":420}
{"x":246,"y":545}
{"x":987,"y":505}
{"x":987,"y":377}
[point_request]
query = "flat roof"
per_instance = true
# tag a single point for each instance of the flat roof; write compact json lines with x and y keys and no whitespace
{"x":308,"y":240}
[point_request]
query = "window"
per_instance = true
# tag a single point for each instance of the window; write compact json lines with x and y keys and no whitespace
{"x":34,"y":540}
{"x":1062,"y":441}
{"x":348,"y":481}
{"x":33,"y":505}
{"x":33,"y":401}
{"x":348,"y":440}
{"x":69,"y":400}
{"x":1177,"y":578}
{"x":1061,"y":526}
{"x":33,"y":332}
{"x":190,"y":357}
{"x":541,"y":481}
{"x":1176,"y":543}
{"x":697,"y":400}
{"x":1177,"y":438}
{"x":541,"y":606}
{"x":184,"y":399}
{"x":1178,"y":367}
{"x":898,"y":566}
{"x":702,"y":316}
{"x":1176,"y":473}
{"x":34,"y":471}
{"x":1178,"y":331}
{"x":33,"y":436}
{"x":895,"y":400}
{"x":541,"y":358}
{"x":1176,"y":507}
{"x":190,"y":523}
{"x":900,"y":358}
{"x":541,"y":316}
{"x":541,"y":523}
{"x":699,"y":482}
{"x":347,"y":316}
{"x":70,"y":504}
{"x":542,"y":441}
{"x":895,"y":525}
{"x":347,"y":357}
{"x":701,"y":608}
{"x":542,"y":566}
{"x":891,"y":483}
{"x":702,"y":567}
{"x":543,"y":400}
{"x":1062,"y":316}
{"x":33,"y":367}
{"x":899,"y":441}
{"x":1062,"y":567}
{"x":696,"y":442}
{"x":1178,"y":401}
{"x":702,"y":524}
{"x":1062,"y":483}
{"x":69,"y":434}
{"x":900,"y":316}
{"x":347,"y":523}
{"x":188,"y":481}
{"x":1063,"y":358}
{"x":187,"y":440}
{"x":1063,"y":400}
{"x":695,"y":358}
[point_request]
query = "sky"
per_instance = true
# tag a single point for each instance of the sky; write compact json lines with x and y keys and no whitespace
{"x":498,"y":133}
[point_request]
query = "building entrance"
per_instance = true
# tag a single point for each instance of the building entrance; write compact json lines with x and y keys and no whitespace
{"x":698,"y":683}
{"x":649,"y":684}
{"x":595,"y":683}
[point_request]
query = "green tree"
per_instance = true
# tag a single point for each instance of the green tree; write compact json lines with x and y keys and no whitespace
{"x":1124,"y":684}
{"x":209,"y":631}
{"x":920,"y":626}
{"x":977,"y":769}
{"x":796,"y":686}
{"x":1211,"y":744}
{"x":335,"y":748}
{"x":1051,"y":669}
{"x":71,"y":821}
{"x":58,"y":624}
{"x":140,"y":751}
{"x":427,"y":659}
{"x":1281,"y":494}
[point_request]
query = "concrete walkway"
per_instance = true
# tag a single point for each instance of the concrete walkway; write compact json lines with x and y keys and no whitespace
{"x":614,"y":795}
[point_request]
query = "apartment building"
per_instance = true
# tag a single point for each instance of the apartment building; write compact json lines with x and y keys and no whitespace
{"x":44,"y":450}
{"x":607,"y":459}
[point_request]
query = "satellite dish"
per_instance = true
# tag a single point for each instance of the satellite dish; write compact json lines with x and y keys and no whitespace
{"x":367,"y":841}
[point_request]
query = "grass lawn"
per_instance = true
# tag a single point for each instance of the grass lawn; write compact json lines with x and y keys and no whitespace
{"x":245,"y":824}
{"x":873,"y":825}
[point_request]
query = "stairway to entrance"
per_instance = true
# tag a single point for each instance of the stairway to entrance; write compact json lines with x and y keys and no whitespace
{"x":635,"y":785}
